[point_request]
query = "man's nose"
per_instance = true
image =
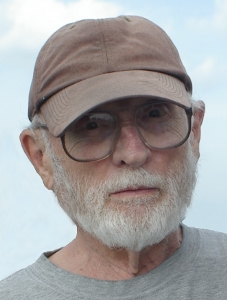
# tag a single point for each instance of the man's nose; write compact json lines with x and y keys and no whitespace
{"x":130,"y":149}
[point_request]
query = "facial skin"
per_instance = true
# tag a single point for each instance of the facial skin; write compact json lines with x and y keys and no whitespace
{"x":134,"y":198}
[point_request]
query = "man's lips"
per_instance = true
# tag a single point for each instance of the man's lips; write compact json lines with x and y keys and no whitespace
{"x":133,"y":191}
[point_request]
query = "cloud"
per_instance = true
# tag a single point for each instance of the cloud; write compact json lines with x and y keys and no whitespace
{"x":206,"y":68}
{"x":210,"y":75}
{"x":204,"y":73}
{"x":217,"y":22}
{"x":220,"y":15}
{"x":28,"y":23}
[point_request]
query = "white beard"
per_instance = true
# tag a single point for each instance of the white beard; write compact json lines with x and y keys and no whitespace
{"x":131,"y":223}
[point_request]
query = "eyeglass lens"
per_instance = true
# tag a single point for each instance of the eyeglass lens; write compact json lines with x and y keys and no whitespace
{"x":162,"y":125}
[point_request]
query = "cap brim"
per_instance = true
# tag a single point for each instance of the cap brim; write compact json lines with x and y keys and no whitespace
{"x":67,"y":105}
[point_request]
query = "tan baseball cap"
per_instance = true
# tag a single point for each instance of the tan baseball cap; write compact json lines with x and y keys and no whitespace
{"x":89,"y":62}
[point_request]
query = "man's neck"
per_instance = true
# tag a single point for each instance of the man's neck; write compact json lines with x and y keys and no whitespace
{"x":88,"y":257}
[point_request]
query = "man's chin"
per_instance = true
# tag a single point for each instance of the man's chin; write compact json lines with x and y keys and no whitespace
{"x":133,"y":229}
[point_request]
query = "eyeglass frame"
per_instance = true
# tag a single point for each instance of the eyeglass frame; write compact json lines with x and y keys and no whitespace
{"x":188,"y":111}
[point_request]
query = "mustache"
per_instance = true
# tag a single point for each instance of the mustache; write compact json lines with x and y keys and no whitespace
{"x":130,"y":179}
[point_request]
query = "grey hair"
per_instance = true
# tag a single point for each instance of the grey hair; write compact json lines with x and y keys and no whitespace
{"x":196,"y":104}
{"x":44,"y":137}
{"x":36,"y":123}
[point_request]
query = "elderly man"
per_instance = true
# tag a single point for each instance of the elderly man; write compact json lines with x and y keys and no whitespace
{"x":115,"y":135}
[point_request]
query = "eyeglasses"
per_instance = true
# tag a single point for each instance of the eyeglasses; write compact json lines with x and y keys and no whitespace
{"x":161,"y":125}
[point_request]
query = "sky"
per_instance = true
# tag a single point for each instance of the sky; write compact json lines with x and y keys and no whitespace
{"x":30,"y":220}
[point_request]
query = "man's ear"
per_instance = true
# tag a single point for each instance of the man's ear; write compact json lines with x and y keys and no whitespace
{"x":198,"y":115}
{"x":37,"y":156}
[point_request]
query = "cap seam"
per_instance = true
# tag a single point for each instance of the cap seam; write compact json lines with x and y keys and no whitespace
{"x":102,"y":46}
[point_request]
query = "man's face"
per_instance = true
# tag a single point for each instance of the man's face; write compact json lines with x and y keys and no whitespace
{"x":133,"y":198}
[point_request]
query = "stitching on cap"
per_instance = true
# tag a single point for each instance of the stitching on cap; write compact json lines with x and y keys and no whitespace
{"x":108,"y":52}
{"x":104,"y":44}
{"x":74,"y":25}
{"x":185,"y":78}
{"x":172,"y":48}
{"x":35,"y":98}
{"x":127,"y":19}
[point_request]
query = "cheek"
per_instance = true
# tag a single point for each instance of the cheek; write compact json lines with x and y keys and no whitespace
{"x":94,"y":170}
{"x":162,"y":161}
{"x":70,"y":165}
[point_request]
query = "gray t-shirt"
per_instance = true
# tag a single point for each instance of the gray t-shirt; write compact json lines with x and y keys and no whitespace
{"x":197,"y":270}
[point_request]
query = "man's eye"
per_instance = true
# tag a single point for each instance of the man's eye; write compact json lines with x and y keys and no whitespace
{"x":155,"y":113}
{"x":158,"y":112}
{"x":92,"y":125}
